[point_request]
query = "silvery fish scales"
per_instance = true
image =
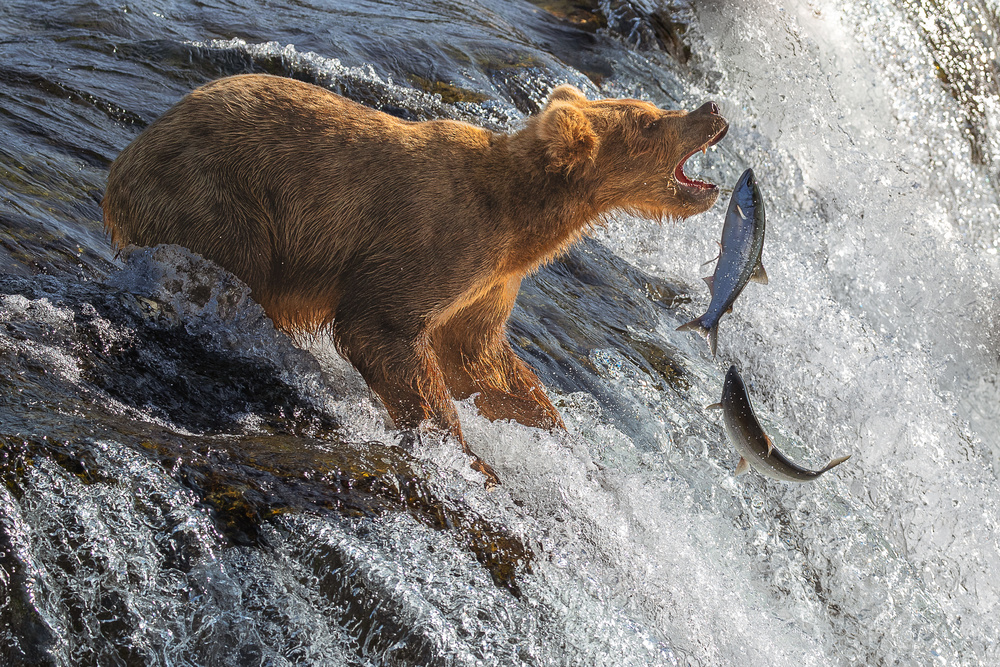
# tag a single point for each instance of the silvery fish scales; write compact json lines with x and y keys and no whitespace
{"x":755,"y":447}
{"x":739,"y":257}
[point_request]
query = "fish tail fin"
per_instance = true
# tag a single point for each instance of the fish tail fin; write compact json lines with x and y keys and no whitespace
{"x":836,"y":462}
{"x":710,"y":334}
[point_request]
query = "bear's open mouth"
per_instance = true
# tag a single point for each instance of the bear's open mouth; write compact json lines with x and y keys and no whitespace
{"x":683,"y":178}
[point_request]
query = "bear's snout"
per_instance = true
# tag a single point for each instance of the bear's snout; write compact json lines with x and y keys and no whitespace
{"x":708,"y":108}
{"x":711,"y":109}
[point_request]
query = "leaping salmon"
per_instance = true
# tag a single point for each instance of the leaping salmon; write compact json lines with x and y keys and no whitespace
{"x":755,"y":447}
{"x":739,"y":257}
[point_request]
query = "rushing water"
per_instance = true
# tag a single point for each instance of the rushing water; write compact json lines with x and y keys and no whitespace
{"x":185,"y":486}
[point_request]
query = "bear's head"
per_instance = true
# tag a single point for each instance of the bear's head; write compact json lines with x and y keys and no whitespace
{"x":630,"y":153}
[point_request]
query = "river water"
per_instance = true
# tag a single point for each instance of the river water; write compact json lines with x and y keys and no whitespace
{"x":182,"y":485}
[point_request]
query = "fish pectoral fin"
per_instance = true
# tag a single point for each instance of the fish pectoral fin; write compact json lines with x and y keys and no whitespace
{"x":714,"y":406}
{"x":759,"y":275}
{"x":770,"y":445}
{"x":741,"y":467}
{"x":710,"y":281}
{"x":836,"y":462}
{"x":716,"y":257}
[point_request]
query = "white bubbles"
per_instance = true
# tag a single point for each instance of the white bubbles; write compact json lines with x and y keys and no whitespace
{"x":330,"y":72}
{"x":874,"y":335}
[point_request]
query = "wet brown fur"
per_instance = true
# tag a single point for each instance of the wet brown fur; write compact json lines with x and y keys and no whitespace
{"x":408,"y":241}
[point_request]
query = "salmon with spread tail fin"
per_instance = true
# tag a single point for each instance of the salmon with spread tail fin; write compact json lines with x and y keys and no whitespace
{"x":739,"y":257}
{"x":755,"y":447}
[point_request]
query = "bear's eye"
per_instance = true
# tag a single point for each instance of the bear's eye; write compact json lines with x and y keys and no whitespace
{"x":649,"y":123}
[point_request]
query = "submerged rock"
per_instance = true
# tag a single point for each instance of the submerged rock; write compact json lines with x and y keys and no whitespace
{"x":184,"y":371}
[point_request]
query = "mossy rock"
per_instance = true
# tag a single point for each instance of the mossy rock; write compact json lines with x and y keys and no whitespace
{"x":449,"y":92}
{"x":584,"y":14}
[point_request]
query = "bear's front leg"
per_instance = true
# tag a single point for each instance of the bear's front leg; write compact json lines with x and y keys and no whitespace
{"x":476,"y":358}
{"x":403,"y":372}
{"x":505,"y":387}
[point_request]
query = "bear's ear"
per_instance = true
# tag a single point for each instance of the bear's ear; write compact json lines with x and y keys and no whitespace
{"x":566,"y":93}
{"x":569,"y":139}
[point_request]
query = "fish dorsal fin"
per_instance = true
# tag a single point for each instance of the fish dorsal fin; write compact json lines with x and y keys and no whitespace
{"x":759,"y":275}
{"x":741,"y":467}
{"x":770,"y":444}
{"x":714,"y":406}
{"x":710,"y":281}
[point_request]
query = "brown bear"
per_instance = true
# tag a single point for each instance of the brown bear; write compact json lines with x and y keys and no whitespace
{"x":408,"y":241}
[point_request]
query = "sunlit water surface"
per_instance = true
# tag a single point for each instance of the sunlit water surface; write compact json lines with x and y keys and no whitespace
{"x":185,"y":486}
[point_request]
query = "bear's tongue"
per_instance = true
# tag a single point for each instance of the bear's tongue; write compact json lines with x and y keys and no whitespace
{"x":683,"y":179}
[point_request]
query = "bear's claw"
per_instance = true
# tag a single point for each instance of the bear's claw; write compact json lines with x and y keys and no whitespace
{"x":492,"y":479}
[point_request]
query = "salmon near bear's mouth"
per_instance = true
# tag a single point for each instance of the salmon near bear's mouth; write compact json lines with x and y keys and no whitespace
{"x":683,"y":178}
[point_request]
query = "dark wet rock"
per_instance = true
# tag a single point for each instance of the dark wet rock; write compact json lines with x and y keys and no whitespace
{"x":449,"y":92}
{"x":660,"y":25}
{"x":247,"y":480}
{"x":584,"y":14}
{"x":225,"y":58}
{"x":134,"y":350}
{"x":193,"y":396}
{"x":642,"y":25}
{"x":589,"y":300}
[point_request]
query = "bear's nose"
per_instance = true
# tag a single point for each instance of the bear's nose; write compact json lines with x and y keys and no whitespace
{"x":709,"y":107}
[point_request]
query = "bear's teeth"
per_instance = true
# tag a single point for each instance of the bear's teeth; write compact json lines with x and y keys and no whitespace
{"x":684,"y":179}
